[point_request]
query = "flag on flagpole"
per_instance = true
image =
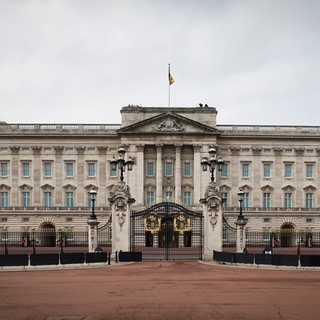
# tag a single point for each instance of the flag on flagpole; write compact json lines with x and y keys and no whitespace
{"x":171,"y":80}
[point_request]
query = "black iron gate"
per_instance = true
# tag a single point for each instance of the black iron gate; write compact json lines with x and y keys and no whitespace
{"x":167,"y":231}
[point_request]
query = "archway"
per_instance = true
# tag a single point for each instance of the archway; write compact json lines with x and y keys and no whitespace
{"x":47,"y":235}
{"x":287,"y":235}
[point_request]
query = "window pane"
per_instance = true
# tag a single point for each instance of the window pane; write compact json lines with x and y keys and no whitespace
{"x":4,"y":169}
{"x":187,"y":169}
{"x":69,"y":199}
{"x":266,"y":200}
{"x":309,"y":169}
{"x":187,"y":198}
{"x":47,"y":199}
{"x":224,"y":196}
{"x":309,"y":200}
{"x":26,"y":199}
{"x":287,"y":170}
{"x":47,"y":169}
{"x":91,"y":169}
{"x":287,"y":200}
{"x":224,"y":172}
{"x":26,"y":169}
{"x":150,"y":197}
{"x":168,"y":169}
{"x":245,"y":170}
{"x":4,"y":199}
{"x":266,"y":170}
{"x":150,"y":169}
{"x":245,"y":202}
{"x":69,"y":168}
{"x":168,"y":195}
{"x":113,"y":172}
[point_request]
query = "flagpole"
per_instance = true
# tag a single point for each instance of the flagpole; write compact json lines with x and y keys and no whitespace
{"x":169,"y":85}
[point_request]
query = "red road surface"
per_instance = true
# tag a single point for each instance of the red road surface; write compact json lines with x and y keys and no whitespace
{"x":160,"y":290}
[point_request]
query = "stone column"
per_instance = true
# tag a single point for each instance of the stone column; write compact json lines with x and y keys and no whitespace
{"x":159,"y":175}
{"x":121,"y":202}
{"x":81,"y":171}
{"x":59,"y":174}
{"x":178,"y":175}
{"x":36,"y":174}
{"x":14,"y":196}
{"x":93,"y":234}
{"x":212,"y":221}
{"x":196,"y":173}
{"x":140,"y":174}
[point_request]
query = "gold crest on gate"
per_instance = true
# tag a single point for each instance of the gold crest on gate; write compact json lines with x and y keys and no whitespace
{"x":152,"y":223}
{"x":181,"y":223}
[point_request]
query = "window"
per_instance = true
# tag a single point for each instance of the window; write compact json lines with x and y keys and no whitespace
{"x":168,"y":167}
{"x":287,"y":200}
{"x":266,"y":220}
{"x":266,"y":170}
{"x":224,"y":171}
{"x":26,"y":169}
{"x":91,"y":169}
{"x":150,"y":197}
{"x":69,"y":199}
{"x":25,"y":219}
{"x":4,"y":169}
{"x":288,"y":170}
{"x":150,"y":169}
{"x":187,"y":198}
{"x":187,"y":169}
{"x":266,"y":200}
{"x":26,"y":199}
{"x":168,"y":195}
{"x":224,"y":196}
{"x":309,"y":170}
{"x":265,"y":234}
{"x":113,"y":172}
{"x":69,"y":169}
{"x":245,"y":202}
{"x":47,"y":199}
{"x":245,"y":170}
{"x":4,"y":199}
{"x":69,"y":219}
{"x":309,"y":200}
{"x":69,"y":236}
{"x":47,"y":167}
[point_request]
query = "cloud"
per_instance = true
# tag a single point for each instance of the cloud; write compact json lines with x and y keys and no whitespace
{"x":81,"y":61}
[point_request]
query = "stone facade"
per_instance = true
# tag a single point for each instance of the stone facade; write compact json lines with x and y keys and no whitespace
{"x":47,"y":170}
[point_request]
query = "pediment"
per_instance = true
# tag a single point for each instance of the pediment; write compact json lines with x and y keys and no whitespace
{"x":169,"y":123}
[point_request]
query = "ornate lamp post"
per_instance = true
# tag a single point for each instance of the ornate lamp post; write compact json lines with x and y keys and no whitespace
{"x":93,"y":224}
{"x":240,"y":223}
{"x":93,"y":195}
{"x":212,"y":210}
{"x":121,"y":163}
{"x":212,"y":162}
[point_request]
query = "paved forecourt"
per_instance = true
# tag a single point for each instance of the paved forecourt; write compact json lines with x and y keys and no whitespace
{"x":160,"y":290}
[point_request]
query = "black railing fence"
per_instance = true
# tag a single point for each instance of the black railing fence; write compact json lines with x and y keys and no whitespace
{"x":279,"y":241}
{"x":48,"y":241}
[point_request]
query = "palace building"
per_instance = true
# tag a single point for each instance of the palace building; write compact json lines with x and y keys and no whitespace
{"x":47,"y":170}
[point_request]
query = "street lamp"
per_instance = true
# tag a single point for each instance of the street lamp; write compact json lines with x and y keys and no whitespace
{"x":240,"y":197}
{"x":121,"y":163}
{"x":212,"y":162}
{"x":93,"y":194}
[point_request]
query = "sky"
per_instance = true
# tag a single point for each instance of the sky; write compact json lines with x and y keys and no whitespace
{"x":81,"y":61}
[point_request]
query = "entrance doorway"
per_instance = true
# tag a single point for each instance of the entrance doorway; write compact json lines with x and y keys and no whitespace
{"x":287,"y":235}
{"x":47,"y":235}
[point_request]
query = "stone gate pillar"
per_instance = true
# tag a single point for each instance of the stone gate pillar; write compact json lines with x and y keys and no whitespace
{"x":241,"y":236}
{"x":121,"y":203}
{"x":93,"y":234}
{"x":212,"y":215}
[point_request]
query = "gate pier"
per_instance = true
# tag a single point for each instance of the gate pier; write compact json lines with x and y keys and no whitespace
{"x":212,"y":214}
{"x":121,"y":202}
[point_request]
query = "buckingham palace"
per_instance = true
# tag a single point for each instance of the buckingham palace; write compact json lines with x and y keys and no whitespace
{"x":48,"y":170}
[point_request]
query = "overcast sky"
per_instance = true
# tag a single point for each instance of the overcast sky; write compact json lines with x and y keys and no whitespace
{"x":80,"y":61}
